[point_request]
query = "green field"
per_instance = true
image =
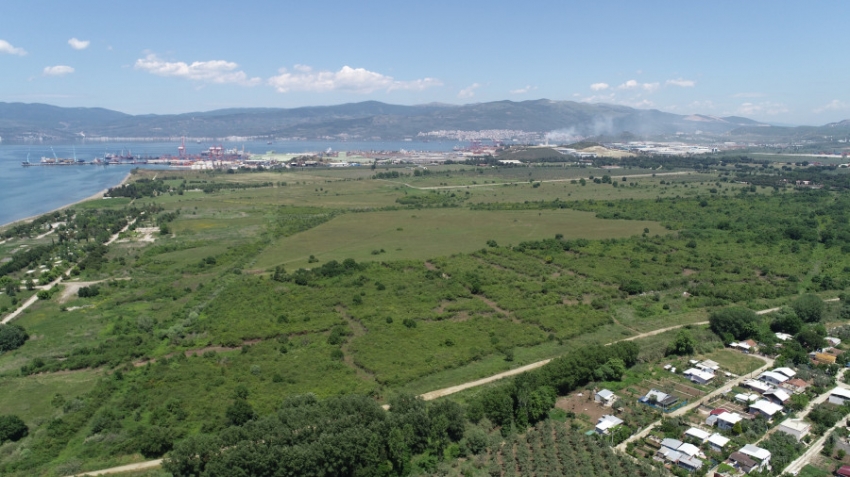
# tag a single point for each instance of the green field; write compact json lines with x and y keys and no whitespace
{"x":429,"y":233}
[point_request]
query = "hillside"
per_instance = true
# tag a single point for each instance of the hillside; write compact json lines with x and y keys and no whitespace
{"x":369,"y":119}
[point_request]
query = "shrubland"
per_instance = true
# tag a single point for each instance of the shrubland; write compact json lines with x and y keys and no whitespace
{"x":203,"y":349}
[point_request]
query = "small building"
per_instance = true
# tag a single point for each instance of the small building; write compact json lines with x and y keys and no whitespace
{"x":747,"y":398}
{"x":788,"y":372}
{"x":659,"y":399}
{"x":843,"y":471}
{"x":833,"y":341}
{"x":784,"y":336}
{"x":795,"y":385}
{"x":765,"y":408}
{"x":606,"y":423}
{"x":605,"y":397}
{"x":689,"y":450}
{"x":698,"y":376}
{"x":839,"y":396}
{"x":777,"y":396}
{"x":727,"y":420}
{"x":761,"y":456}
{"x":742,"y":346}
{"x":698,"y":434}
{"x":690,"y":463}
{"x":717,"y":442}
{"x":758,"y":386}
{"x":742,"y":462}
{"x":772,"y":377}
{"x":708,"y":366}
{"x":795,"y":427}
{"x":672,"y":444}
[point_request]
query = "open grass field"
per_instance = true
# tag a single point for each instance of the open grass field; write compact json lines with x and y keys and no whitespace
{"x":30,"y":397}
{"x":428,"y":233}
{"x":734,"y":362}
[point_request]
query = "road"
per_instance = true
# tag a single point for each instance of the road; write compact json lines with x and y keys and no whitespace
{"x":34,"y":298}
{"x":659,"y":174}
{"x":151,"y":464}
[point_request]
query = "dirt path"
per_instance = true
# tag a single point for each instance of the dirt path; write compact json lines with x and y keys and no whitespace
{"x":526,"y":182}
{"x":348,"y":356}
{"x":52,"y":284}
{"x":151,"y":464}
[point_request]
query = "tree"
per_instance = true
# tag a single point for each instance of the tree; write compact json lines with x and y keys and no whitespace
{"x":810,"y":339}
{"x":239,"y":412}
{"x":809,"y":308}
{"x":786,"y":321}
{"x":684,"y":344}
{"x":155,"y":441}
{"x":740,"y":323}
{"x":12,"y":337}
{"x":12,"y":428}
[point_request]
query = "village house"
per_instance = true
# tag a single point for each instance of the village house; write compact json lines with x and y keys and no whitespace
{"x":725,"y":420}
{"x":717,"y":442}
{"x":758,"y":386}
{"x":777,"y":396}
{"x":606,"y":423}
{"x":765,"y":408}
{"x":761,"y":456}
{"x":839,"y":396}
{"x":795,"y":385}
{"x":795,"y":427}
{"x":772,"y":377}
{"x":605,"y":397}
{"x":698,"y":376}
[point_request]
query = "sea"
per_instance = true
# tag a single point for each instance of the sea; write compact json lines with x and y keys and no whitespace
{"x":31,"y":191}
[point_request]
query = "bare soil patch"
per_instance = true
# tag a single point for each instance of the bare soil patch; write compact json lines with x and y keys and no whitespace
{"x":688,"y":272}
{"x":582,"y":403}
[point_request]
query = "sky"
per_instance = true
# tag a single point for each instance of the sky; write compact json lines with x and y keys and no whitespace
{"x":773,"y":61}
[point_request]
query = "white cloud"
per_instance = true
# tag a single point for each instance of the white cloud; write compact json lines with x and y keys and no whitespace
{"x":599,"y":86}
{"x":748,"y":95}
{"x":214,"y":71}
{"x":355,"y":80}
{"x":764,"y":108}
{"x":469,"y":91}
{"x":834,"y":105}
{"x":78,"y":44}
{"x":633,"y":84}
{"x":58,"y":70}
{"x":523,"y":90}
{"x":6,"y":47}
{"x":682,"y":83}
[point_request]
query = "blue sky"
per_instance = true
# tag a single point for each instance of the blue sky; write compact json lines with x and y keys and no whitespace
{"x":781,"y":62}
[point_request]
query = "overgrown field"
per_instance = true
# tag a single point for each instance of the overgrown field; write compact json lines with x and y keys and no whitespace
{"x":337,"y":284}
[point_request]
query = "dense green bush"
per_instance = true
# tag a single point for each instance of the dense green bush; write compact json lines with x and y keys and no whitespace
{"x":12,"y":337}
{"x":12,"y":428}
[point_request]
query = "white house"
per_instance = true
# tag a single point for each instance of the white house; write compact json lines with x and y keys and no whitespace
{"x":688,"y":449}
{"x":697,"y":434}
{"x":757,"y":386}
{"x":777,"y":396}
{"x":727,"y":420}
{"x":708,"y":366}
{"x":788,"y":372}
{"x":717,"y":442}
{"x":606,"y":423}
{"x":698,"y":376}
{"x":783,"y":336}
{"x":765,"y":408}
{"x":605,"y":397}
{"x":795,"y":427}
{"x":772,"y":377}
{"x":839,"y":396}
{"x":746,"y":398}
{"x":761,"y":456}
{"x":833,"y":341}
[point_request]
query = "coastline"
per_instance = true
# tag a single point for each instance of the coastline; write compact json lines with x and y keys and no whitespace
{"x":98,"y":195}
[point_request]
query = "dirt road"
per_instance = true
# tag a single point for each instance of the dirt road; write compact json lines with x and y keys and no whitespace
{"x":526,"y":182}
{"x":151,"y":464}
{"x":34,"y":298}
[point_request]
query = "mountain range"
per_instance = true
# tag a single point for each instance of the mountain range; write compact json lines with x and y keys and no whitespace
{"x":376,"y":120}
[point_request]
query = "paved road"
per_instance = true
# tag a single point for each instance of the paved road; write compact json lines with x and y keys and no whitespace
{"x":34,"y":298}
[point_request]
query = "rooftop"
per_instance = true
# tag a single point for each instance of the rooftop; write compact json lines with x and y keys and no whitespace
{"x":756,"y":452}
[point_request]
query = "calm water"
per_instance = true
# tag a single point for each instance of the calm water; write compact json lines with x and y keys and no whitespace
{"x":28,"y":191}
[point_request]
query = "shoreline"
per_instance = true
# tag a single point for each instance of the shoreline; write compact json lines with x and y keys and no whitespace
{"x":98,"y":195}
